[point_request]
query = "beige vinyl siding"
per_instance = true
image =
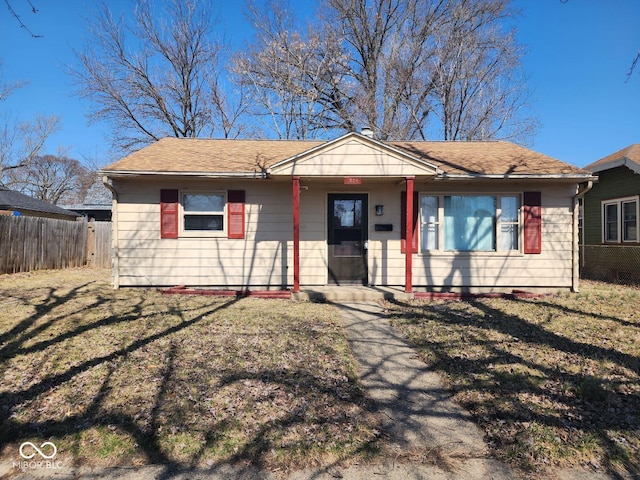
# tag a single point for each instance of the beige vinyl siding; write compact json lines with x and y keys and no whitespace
{"x":264,"y":258}
{"x":260,"y":259}
{"x":509,"y":270}
{"x":352,"y":158}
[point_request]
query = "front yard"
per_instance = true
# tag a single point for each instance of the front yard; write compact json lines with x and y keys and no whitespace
{"x":553,"y":381}
{"x":134,"y":377}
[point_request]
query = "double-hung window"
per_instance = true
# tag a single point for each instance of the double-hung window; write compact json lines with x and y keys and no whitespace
{"x":470,"y":223}
{"x":203,"y":212}
{"x":620,"y":220}
{"x":430,"y":222}
{"x":509,"y":223}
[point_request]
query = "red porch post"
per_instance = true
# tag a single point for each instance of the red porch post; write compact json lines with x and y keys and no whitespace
{"x":296,"y":234}
{"x":408,"y":257}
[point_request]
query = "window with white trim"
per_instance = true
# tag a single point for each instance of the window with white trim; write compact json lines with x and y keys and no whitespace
{"x":203,"y":212}
{"x":620,"y":220}
{"x":470,"y":223}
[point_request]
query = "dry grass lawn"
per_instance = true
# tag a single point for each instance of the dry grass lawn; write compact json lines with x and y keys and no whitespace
{"x":553,"y":381}
{"x":134,"y":377}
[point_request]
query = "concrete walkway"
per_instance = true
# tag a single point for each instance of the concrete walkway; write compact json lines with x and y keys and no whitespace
{"x":420,"y":418}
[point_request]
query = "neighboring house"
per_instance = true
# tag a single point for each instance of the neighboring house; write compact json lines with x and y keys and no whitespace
{"x":96,"y":203}
{"x":611,"y":249}
{"x":90,"y":211}
{"x":274,"y":214}
{"x":18,"y":204}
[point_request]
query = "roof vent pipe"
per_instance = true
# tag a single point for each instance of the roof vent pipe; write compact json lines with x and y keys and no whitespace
{"x":367,"y":132}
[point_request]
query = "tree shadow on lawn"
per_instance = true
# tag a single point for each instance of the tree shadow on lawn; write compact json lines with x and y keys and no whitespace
{"x":18,"y":334}
{"x":17,"y":399}
{"x":541,"y":397}
{"x":173,"y":423}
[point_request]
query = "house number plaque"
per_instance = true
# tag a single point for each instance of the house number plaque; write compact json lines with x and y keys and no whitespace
{"x":353,"y":180}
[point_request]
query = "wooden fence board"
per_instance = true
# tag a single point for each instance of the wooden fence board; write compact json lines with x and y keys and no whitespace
{"x":102,"y":245}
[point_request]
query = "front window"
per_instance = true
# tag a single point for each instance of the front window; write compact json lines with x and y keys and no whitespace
{"x":203,"y":211}
{"x":620,"y":220}
{"x":470,"y":223}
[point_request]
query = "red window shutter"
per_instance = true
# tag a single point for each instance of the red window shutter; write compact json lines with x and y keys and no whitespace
{"x":532,"y":222}
{"x":235,"y":214}
{"x":169,"y":213}
{"x":403,"y":222}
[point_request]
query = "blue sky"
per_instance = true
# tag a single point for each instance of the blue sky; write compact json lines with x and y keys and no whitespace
{"x":578,"y":55}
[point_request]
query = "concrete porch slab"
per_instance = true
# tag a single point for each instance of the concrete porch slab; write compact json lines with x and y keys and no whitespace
{"x":350,"y":293}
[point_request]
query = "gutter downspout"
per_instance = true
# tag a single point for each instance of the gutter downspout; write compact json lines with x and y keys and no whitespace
{"x":576,"y":246}
{"x":115,"y":263}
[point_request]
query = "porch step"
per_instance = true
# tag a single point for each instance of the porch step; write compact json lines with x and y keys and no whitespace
{"x":351,"y":293}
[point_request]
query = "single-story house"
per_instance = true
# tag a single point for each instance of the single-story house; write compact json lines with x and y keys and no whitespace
{"x":18,"y":204}
{"x":611,"y":209}
{"x":282,"y":214}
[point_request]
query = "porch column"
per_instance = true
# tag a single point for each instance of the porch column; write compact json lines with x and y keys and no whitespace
{"x":296,"y":234}
{"x":408,"y":257}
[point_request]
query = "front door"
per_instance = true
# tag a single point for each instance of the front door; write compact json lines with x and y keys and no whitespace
{"x":347,"y":237}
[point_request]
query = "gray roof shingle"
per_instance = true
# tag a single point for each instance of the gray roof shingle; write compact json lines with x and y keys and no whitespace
{"x":12,"y":200}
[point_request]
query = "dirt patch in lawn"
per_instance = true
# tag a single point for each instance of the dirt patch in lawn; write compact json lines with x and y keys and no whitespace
{"x":553,"y":381}
{"x":134,"y":377}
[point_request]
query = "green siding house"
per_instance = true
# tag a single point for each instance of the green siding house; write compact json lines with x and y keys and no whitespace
{"x":610,"y":245}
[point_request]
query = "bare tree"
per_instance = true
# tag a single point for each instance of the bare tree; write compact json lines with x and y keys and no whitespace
{"x":159,"y":84}
{"x":52,"y":179}
{"x":633,"y":66}
{"x":283,"y":76}
{"x":479,"y":89}
{"x":6,"y":88}
{"x":406,"y":68}
{"x":15,"y":15}
{"x":229,"y":106}
{"x":388,"y":44}
{"x":21,"y":143}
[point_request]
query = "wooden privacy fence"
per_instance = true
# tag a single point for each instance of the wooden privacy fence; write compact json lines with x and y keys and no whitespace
{"x":33,"y":243}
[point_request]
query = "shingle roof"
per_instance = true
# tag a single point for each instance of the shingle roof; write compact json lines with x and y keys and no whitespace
{"x":629,"y":156}
{"x":487,"y":158}
{"x":183,"y":155}
{"x":245,"y":156}
{"x":12,"y":200}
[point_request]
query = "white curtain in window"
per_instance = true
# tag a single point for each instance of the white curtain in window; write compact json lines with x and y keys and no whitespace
{"x":429,"y":223}
{"x":469,"y":223}
{"x":509,"y":223}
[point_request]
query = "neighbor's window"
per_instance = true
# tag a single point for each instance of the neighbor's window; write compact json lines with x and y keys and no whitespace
{"x":470,"y":223}
{"x":620,"y":220}
{"x":580,"y":219}
{"x":203,"y":211}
